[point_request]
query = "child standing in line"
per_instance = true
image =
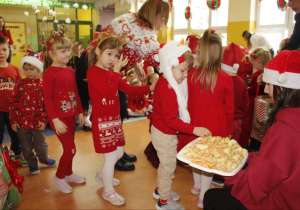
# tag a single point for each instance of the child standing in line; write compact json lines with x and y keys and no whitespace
{"x":259,"y":58}
{"x":62,"y":104}
{"x":107,"y":129}
{"x":9,"y":75}
{"x":210,"y":101}
{"x":27,"y":113}
{"x":232,"y":56}
{"x":149,"y":80}
{"x":137,"y":105}
{"x":175,"y":62}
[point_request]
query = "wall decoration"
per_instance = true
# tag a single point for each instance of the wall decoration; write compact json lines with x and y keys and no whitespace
{"x":187,"y":13}
{"x":282,"y":5}
{"x":213,"y":4}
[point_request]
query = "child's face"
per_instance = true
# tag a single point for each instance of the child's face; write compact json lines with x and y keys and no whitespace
{"x":132,"y":76}
{"x":31,"y":71}
{"x":180,"y":72}
{"x":256,"y":64}
{"x":107,"y":58}
{"x":4,"y":52}
{"x":269,"y":90}
{"x":150,"y":70}
{"x":60,"y":57}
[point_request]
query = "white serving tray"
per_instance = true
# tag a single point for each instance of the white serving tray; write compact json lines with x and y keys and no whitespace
{"x":222,"y":173}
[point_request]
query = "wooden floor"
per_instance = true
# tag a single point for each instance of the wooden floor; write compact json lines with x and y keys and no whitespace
{"x":136,"y":186}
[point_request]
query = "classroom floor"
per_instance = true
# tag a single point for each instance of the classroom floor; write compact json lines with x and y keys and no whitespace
{"x":136,"y":186}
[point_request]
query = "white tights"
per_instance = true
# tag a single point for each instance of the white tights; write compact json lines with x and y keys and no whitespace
{"x":202,"y":180}
{"x":108,"y":168}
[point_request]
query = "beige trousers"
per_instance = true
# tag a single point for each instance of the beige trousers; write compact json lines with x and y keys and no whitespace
{"x":166,"y":147}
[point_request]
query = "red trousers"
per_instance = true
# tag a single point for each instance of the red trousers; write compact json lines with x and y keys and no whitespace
{"x":67,"y":140}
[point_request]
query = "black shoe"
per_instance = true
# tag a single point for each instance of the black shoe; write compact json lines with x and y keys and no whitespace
{"x":218,"y":180}
{"x":124,"y":165}
{"x":86,"y":128}
{"x":128,"y":157}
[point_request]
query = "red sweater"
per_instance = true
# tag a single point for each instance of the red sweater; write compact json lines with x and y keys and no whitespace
{"x":165,"y":110}
{"x":103,"y":89}
{"x":241,"y":98}
{"x":213,"y":111}
{"x":271,"y":180}
{"x":137,"y":102}
{"x":61,"y":93}
{"x":8,"y":77}
{"x":8,"y":37}
{"x":27,"y":104}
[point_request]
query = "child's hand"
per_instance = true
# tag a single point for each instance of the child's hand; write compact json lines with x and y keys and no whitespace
{"x":81,"y":119}
{"x":15,"y":127}
{"x":120,"y":63}
{"x":153,"y":85}
{"x":144,"y":110}
{"x":42,"y":126}
{"x":60,"y":127}
{"x":201,"y":131}
{"x":138,"y":111}
{"x":139,"y":71}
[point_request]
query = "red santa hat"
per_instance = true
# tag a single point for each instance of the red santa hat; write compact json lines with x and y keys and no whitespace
{"x":284,"y":70}
{"x":232,"y":56}
{"x":193,"y":42}
{"x":33,"y":58}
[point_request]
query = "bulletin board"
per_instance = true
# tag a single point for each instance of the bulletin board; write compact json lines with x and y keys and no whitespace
{"x":18,"y":48}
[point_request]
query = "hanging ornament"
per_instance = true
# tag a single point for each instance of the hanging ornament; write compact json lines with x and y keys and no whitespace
{"x":75,"y":5}
{"x":171,"y":5}
{"x":213,"y":4}
{"x":46,"y":6}
{"x":55,"y":21}
{"x":34,"y":7}
{"x":53,"y":14}
{"x":187,"y":13}
{"x":68,"y":20}
{"x":282,"y":5}
{"x":44,"y":19}
{"x":84,"y":7}
{"x":37,"y":11}
{"x":26,"y":13}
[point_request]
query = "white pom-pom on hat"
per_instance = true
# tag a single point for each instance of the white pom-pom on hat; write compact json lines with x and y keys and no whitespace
{"x":282,"y":78}
{"x":236,"y":66}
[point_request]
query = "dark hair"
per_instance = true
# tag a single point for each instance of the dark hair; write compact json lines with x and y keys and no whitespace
{"x":98,"y":28}
{"x":247,"y":35}
{"x":108,"y":43}
{"x":4,"y":29}
{"x":283,"y":98}
{"x":3,"y":40}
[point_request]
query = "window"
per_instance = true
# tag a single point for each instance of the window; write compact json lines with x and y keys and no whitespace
{"x":202,"y":18}
{"x":273,"y":23}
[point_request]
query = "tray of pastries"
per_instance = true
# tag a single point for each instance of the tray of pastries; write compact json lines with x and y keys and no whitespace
{"x":214,"y":154}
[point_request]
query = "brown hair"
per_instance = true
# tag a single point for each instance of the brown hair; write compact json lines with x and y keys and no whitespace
{"x":149,"y":77}
{"x":283,"y":98}
{"x":108,"y":43}
{"x":134,"y":82}
{"x":3,"y":40}
{"x":3,"y":28}
{"x":263,"y":55}
{"x":129,"y":72}
{"x":150,"y":9}
{"x":247,"y":35}
{"x":59,"y":43}
{"x":189,"y":58}
{"x":209,"y":56}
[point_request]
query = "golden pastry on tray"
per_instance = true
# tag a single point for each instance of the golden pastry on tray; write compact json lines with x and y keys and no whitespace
{"x":216,"y":154}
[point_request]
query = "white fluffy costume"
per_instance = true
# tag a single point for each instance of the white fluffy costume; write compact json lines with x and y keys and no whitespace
{"x":168,"y":57}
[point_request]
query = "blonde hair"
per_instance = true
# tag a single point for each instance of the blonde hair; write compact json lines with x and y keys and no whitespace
{"x":149,"y":77}
{"x":129,"y":72}
{"x":150,"y":9}
{"x":134,"y":82}
{"x":108,"y":43}
{"x":209,"y":57}
{"x":189,"y":58}
{"x":59,"y":43}
{"x":262,"y":55}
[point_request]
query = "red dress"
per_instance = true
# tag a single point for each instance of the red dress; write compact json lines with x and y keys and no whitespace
{"x":106,"y":122}
{"x":213,"y":111}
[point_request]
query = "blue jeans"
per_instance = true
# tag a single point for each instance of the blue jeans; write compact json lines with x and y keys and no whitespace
{"x":15,"y":143}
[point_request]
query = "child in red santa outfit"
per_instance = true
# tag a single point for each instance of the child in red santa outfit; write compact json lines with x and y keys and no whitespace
{"x":210,"y":101}
{"x":62,"y":104}
{"x":27,"y":113}
{"x":232,"y":55}
{"x":169,"y":102}
{"x":271,"y":179}
{"x":104,"y":83}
